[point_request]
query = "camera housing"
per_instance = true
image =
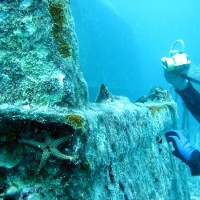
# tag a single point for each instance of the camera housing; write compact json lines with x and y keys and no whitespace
{"x":177,"y":62}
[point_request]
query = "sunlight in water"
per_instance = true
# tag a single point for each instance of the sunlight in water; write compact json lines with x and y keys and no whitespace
{"x":112,"y":6}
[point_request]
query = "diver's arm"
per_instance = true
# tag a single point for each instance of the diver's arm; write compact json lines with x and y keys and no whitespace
{"x":184,"y":150}
{"x":191,"y":98}
{"x":194,"y":163}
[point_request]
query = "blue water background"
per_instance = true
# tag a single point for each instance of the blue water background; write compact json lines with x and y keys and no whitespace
{"x":121,"y":43}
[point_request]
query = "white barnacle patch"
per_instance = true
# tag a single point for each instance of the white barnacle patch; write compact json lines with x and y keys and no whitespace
{"x":61,"y":79}
{"x":26,"y":107}
{"x":26,"y":3}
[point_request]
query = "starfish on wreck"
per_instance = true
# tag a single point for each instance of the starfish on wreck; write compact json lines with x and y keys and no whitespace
{"x":49,"y":147}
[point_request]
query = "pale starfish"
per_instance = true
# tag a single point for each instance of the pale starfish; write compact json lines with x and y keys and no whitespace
{"x":49,"y":147}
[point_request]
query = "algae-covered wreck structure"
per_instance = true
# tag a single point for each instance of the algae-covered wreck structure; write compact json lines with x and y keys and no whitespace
{"x":54,"y":144}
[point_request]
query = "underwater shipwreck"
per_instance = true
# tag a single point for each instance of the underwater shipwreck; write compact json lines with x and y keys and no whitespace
{"x":54,"y":144}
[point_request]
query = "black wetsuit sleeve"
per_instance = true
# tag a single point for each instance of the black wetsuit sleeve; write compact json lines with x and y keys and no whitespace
{"x":191,"y":98}
{"x":194,"y":163}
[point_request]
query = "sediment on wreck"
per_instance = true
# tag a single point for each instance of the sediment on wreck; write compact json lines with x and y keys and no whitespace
{"x":39,"y":55}
{"x":56,"y":145}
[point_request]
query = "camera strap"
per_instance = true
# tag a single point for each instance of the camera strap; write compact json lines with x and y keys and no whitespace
{"x":191,"y":79}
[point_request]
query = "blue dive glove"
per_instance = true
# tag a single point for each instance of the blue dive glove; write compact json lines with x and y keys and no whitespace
{"x":183,"y":149}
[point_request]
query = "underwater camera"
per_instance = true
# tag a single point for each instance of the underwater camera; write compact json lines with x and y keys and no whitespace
{"x":178,"y":60}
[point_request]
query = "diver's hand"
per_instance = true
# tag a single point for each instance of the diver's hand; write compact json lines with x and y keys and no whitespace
{"x":176,"y":80}
{"x":182,"y":148}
